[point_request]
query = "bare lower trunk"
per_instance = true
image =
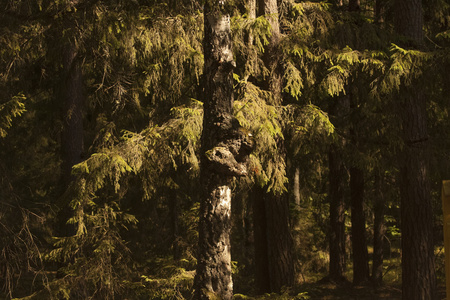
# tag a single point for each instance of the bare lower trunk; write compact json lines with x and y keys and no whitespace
{"x":262,"y":274}
{"x":337,"y":216}
{"x":378,"y":232}
{"x":418,"y":273}
{"x":213,"y":276}
{"x":359,"y":244}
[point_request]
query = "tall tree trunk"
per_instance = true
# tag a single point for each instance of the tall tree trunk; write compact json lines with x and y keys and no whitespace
{"x":358,"y":217}
{"x":72,"y":132}
{"x":359,"y":244}
{"x":337,"y":182}
{"x":337,"y":216}
{"x":418,"y":271}
{"x":279,"y":239}
{"x":223,"y":154}
{"x":378,"y":231}
{"x":72,"y":95}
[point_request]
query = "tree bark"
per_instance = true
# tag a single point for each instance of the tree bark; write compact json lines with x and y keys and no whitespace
{"x":359,"y":244}
{"x":72,"y":131}
{"x":262,"y":273}
{"x":378,"y":232}
{"x":72,"y":94}
{"x":278,"y":237}
{"x":358,"y":218}
{"x":337,"y":216}
{"x":223,"y":154}
{"x":418,"y":271}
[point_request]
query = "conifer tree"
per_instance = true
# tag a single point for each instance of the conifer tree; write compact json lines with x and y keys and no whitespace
{"x":275,"y":267}
{"x":223,"y":153}
{"x":418,"y":269}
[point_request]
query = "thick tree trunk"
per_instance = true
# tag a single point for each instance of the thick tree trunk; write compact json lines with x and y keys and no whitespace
{"x":262,"y":273}
{"x":279,"y":239}
{"x":378,"y":232}
{"x":280,"y":244}
{"x":223,"y":156}
{"x":359,"y":244}
{"x":337,"y":216}
{"x":418,"y":272}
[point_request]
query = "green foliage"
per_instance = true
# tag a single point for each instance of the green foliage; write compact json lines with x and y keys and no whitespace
{"x":268,"y":169}
{"x":142,"y":65}
{"x":9,"y":110}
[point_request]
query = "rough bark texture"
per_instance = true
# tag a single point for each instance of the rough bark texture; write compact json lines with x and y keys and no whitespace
{"x":378,"y":232}
{"x":409,"y":19}
{"x":224,"y":151}
{"x":280,"y":244}
{"x":277,"y":237}
{"x":418,"y":271}
{"x":359,"y":243}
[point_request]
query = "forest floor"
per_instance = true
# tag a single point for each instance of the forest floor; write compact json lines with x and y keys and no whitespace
{"x":329,"y":291}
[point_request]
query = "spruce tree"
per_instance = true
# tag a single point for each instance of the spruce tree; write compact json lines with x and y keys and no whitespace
{"x":418,"y":269}
{"x":224,"y":149}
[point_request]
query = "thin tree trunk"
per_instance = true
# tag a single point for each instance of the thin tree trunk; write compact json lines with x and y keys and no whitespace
{"x":72,"y":134}
{"x":337,"y":216}
{"x":223,"y":153}
{"x":378,"y":232}
{"x":296,"y":187}
{"x":174,"y":216}
{"x":359,"y":244}
{"x":358,"y":218}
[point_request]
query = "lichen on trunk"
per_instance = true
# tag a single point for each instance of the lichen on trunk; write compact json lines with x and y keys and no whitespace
{"x":224,"y":151}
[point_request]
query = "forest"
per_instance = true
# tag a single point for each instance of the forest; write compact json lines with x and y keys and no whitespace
{"x":223,"y":149}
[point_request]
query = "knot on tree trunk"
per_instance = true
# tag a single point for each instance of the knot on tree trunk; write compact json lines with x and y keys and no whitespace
{"x":230,"y":155}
